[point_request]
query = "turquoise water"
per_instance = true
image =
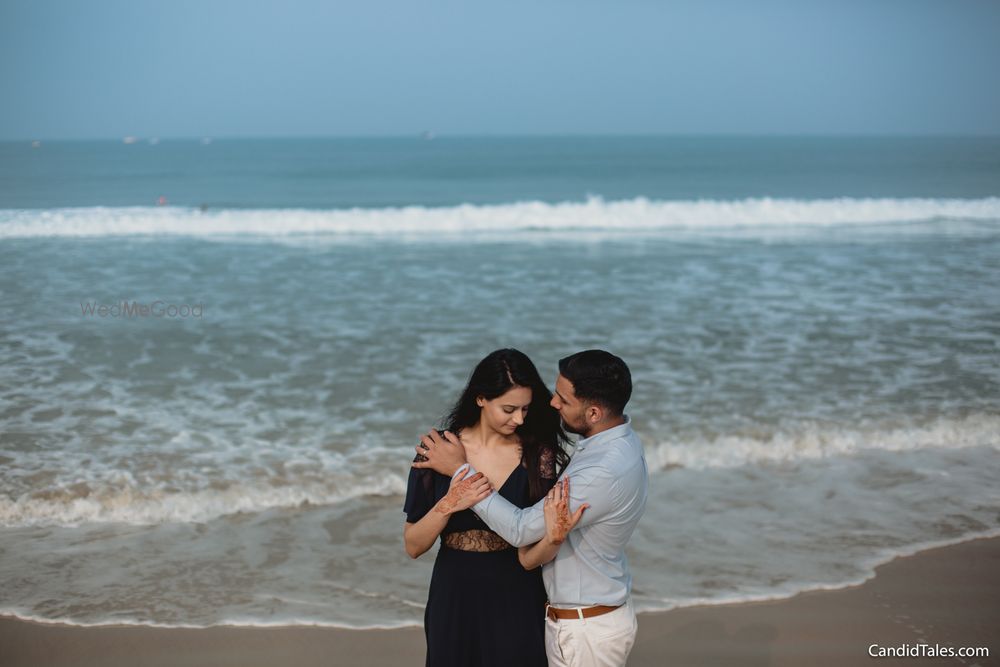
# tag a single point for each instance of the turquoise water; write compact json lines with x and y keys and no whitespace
{"x":375,"y":173}
{"x":813,"y":328}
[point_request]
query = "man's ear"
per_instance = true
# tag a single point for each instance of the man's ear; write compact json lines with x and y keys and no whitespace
{"x":594,"y":413}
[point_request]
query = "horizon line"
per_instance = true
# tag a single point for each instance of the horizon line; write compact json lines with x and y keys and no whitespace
{"x":435,"y":136}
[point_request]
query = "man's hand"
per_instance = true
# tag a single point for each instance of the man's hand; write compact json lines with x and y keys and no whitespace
{"x":463,"y":494}
{"x":444,"y":455}
{"x":558,"y":521}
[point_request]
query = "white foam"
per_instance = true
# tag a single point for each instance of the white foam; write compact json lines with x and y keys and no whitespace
{"x":135,"y":504}
{"x":809,"y":441}
{"x":318,"y":478}
{"x":22,"y":615}
{"x":644,"y":604}
{"x":595,"y":214}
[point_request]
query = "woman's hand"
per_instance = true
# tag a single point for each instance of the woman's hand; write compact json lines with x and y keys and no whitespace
{"x":558,"y":521}
{"x":442,"y":454}
{"x":464,"y":493}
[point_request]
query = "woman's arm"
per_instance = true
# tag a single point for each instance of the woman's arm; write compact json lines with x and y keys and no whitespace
{"x":558,"y":524}
{"x":539,"y":553}
{"x":462,"y":494}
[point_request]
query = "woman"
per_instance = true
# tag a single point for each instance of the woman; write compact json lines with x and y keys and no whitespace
{"x":484,"y":608}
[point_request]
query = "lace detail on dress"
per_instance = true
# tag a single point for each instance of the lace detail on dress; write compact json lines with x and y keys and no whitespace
{"x":547,"y":464}
{"x":475,"y":540}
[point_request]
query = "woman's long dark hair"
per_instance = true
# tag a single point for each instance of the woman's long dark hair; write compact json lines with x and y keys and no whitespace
{"x":541,"y":434}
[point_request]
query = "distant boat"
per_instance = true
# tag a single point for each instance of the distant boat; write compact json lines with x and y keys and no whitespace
{"x":36,"y":144}
{"x":130,"y":140}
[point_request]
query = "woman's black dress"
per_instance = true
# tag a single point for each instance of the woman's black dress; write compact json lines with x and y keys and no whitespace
{"x":483,"y":608}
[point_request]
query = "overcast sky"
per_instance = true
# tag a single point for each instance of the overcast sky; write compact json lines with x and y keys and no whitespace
{"x":181,"y":68}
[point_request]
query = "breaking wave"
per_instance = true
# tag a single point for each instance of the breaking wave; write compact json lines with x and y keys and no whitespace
{"x":594,"y":214}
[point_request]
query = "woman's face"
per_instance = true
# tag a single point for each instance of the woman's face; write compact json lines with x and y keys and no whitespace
{"x":506,"y":412}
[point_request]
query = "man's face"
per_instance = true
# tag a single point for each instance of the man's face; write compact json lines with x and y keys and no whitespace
{"x":572,"y":411}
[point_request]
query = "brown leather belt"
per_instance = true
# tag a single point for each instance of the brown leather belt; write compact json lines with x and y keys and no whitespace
{"x":587,"y":612}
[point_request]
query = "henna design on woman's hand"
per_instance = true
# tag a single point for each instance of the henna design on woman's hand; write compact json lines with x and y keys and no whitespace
{"x":558,"y":521}
{"x":463,"y":494}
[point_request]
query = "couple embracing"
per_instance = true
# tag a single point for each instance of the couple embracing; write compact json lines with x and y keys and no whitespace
{"x":532,"y":567}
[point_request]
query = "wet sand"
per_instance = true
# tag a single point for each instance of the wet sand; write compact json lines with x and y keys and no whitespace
{"x":947,"y":597}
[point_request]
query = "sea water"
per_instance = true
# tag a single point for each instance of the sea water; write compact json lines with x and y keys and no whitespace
{"x":208,"y":408}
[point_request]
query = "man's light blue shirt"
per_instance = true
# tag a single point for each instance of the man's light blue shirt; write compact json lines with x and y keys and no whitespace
{"x":608,"y":472}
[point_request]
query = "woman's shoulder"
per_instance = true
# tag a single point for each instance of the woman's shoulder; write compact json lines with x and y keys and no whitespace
{"x":427,"y":479}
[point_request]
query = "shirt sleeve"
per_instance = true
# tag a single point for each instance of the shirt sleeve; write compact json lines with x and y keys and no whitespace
{"x":419,"y":494}
{"x":599,"y":489}
{"x":520,"y":527}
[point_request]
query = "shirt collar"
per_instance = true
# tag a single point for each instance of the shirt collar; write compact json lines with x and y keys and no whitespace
{"x":604,"y":436}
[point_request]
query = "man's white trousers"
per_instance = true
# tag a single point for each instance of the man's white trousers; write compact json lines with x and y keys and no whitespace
{"x":599,"y":641}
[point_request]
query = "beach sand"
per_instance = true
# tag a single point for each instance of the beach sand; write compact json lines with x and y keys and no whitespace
{"x":948,"y":596}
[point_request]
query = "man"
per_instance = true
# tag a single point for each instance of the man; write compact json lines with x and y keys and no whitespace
{"x":590,"y":619}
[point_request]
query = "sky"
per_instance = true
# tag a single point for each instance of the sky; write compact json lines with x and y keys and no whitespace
{"x":244,"y":68}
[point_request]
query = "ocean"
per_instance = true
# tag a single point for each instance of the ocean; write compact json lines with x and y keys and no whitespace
{"x":217,"y":356}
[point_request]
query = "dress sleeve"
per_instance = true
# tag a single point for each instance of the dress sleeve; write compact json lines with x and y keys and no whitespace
{"x":547,"y":468}
{"x":419,"y":494}
{"x":546,"y":471}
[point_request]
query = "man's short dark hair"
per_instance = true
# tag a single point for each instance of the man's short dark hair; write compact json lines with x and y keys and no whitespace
{"x":599,"y":377}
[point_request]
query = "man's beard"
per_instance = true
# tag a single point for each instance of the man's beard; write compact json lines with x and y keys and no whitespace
{"x":578,"y":430}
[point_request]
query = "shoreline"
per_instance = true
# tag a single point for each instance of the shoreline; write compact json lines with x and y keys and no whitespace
{"x":946,"y":596}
